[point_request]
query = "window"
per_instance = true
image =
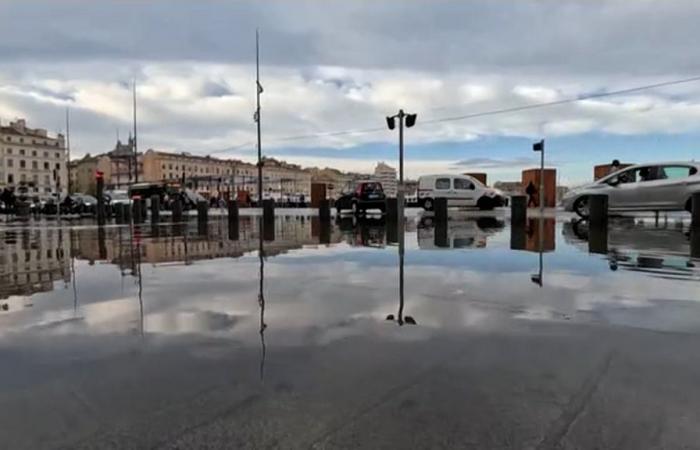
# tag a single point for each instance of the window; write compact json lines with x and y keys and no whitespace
{"x":22,"y":164}
{"x":47,"y":180}
{"x":9,"y":151}
{"x":675,"y":172}
{"x":58,"y":166}
{"x":463,"y":183}
{"x":21,"y":140}
{"x":10,"y":163}
{"x":34,"y":153}
{"x":46,"y":166}
{"x":10,"y":178}
{"x":58,"y":155}
{"x":46,"y":154}
{"x":23,"y":178}
{"x":170,"y":166}
{"x":442,"y":183}
{"x":21,"y":151}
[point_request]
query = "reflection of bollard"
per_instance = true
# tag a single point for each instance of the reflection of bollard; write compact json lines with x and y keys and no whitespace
{"x":203,"y":227}
{"x":155,"y":208}
{"x":268,"y":210}
{"x":202,"y":211}
{"x":324,"y":210}
{"x":126,"y":210}
{"x":695,"y":242}
{"x":232,"y":211}
{"x":518,"y":237}
{"x":233,"y":231}
{"x":441,"y":239}
{"x":440,"y":206}
{"x":695,"y":209}
{"x":598,"y":210}
{"x":392,"y":210}
{"x":138,"y":210}
{"x":269,"y":229}
{"x":324,"y":235}
{"x":392,"y":232}
{"x":177,"y":209}
{"x":598,"y":237}
{"x":518,"y":211}
{"x":101,"y":245}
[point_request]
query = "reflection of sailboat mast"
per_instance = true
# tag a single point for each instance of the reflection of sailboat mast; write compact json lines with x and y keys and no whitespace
{"x":72,"y":275}
{"x":261,"y":300}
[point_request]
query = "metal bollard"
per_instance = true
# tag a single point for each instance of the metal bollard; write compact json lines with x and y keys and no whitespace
{"x":126,"y":210}
{"x":118,"y":212}
{"x":695,"y":209}
{"x":155,"y":208}
{"x":177,"y":209}
{"x":100,"y":201}
{"x":268,"y":210}
{"x":324,"y":210}
{"x":440,"y":205}
{"x":137,"y":212}
{"x":597,"y":210}
{"x":695,"y":242}
{"x":232,"y":211}
{"x":202,"y":211}
{"x":392,"y":210}
{"x":518,"y":211}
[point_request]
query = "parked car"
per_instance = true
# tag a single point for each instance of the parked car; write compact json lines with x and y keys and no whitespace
{"x":364,"y":195}
{"x":459,"y":190}
{"x":642,"y":187}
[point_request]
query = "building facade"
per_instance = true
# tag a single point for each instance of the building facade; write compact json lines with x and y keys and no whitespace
{"x":33,"y":163}
{"x":386,"y":175}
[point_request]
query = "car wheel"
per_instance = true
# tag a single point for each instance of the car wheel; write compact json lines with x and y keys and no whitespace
{"x":485,"y":203}
{"x":581,"y":207}
{"x":428,"y":204}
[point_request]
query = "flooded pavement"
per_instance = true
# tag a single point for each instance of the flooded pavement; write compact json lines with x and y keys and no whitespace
{"x":470,"y":334}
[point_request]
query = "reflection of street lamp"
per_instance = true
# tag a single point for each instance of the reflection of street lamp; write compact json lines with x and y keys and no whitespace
{"x":400,"y":319}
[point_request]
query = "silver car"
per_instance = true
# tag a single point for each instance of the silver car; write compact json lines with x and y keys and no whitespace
{"x":664,"y":186}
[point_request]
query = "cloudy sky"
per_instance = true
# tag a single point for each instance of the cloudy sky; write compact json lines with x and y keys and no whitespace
{"x":342,"y":66}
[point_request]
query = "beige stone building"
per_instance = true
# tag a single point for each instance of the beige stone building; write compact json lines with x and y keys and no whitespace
{"x":281,"y":177}
{"x":31,"y":161}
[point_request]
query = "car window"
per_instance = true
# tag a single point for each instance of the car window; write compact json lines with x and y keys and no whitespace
{"x":442,"y":183}
{"x":463,"y":183}
{"x":627,"y":176}
{"x":674,"y":172}
{"x":372,"y":188}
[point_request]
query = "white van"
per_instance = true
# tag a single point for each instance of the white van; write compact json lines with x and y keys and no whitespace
{"x":459,"y":190}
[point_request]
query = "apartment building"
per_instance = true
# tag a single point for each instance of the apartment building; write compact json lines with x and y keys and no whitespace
{"x":32,"y":162}
{"x":386,"y":175}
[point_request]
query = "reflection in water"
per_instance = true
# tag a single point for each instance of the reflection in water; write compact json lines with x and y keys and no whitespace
{"x":261,"y":295}
{"x":401,"y":232}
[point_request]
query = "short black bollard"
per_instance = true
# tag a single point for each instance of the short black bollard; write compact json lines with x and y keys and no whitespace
{"x":598,"y":210}
{"x":202,"y":211}
{"x":695,"y":242}
{"x":144,"y":209}
{"x":324,"y":210}
{"x":118,"y":212}
{"x":518,"y":211}
{"x":100,"y":201}
{"x":232,"y":211}
{"x":441,"y":209}
{"x":126,"y":210}
{"x":155,"y":208}
{"x":695,"y":209}
{"x":137,"y":212}
{"x":392,"y":232}
{"x":268,"y":210}
{"x":392,"y":210}
{"x":176,"y":209}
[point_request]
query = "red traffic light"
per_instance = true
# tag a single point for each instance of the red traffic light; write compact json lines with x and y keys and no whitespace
{"x":99,"y":174}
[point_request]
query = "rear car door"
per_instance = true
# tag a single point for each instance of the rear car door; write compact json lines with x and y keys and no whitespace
{"x":669,"y":189}
{"x":465,"y":191}
{"x":443,"y":188}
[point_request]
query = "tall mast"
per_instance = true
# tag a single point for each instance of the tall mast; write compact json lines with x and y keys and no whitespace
{"x":135,"y":149}
{"x":258,"y":91}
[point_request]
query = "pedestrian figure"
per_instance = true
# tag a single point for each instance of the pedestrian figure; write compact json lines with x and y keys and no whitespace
{"x":615,"y":166}
{"x":531,"y":192}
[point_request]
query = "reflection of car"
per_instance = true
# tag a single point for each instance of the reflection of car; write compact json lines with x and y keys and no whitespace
{"x":472,"y":233}
{"x":365,"y":195}
{"x":642,"y":187}
{"x":459,"y":190}
{"x":364,"y":232}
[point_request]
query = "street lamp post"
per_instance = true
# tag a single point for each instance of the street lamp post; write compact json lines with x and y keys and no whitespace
{"x":391,"y":123}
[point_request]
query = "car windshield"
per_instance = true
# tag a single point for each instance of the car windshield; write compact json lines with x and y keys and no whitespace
{"x":372,"y":188}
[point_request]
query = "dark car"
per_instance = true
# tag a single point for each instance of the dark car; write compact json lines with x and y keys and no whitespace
{"x":365,"y":195}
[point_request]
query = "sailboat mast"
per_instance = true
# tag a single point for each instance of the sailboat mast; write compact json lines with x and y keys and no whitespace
{"x":135,"y":149}
{"x":258,"y":91}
